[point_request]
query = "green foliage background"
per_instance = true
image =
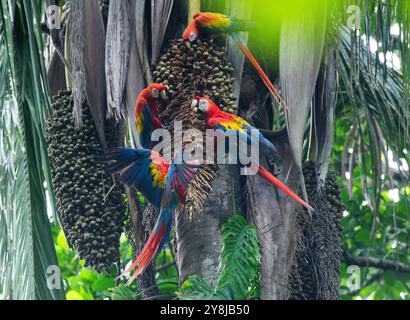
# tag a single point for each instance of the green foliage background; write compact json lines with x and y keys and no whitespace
{"x":378,"y":100}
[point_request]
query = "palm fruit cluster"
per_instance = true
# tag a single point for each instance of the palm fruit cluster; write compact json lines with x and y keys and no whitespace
{"x":90,"y":209}
{"x":316,"y":275}
{"x":200,"y":70}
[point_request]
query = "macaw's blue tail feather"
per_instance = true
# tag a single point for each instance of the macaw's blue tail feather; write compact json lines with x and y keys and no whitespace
{"x":117,"y":159}
{"x":155,"y":243}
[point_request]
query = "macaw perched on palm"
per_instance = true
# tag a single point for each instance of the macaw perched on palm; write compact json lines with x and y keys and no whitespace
{"x":216,"y":23}
{"x":231,"y":124}
{"x":163,"y":184}
{"x":146,"y":112}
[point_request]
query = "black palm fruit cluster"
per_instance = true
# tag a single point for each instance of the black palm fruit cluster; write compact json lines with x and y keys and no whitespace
{"x":316,"y":272}
{"x":200,"y":70}
{"x":90,"y":209}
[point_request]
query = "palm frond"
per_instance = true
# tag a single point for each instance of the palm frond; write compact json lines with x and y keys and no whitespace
{"x":378,"y":107}
{"x":160,"y":14}
{"x":27,"y":249}
{"x":117,"y":55}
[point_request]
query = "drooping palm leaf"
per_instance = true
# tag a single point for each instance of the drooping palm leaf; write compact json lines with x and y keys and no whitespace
{"x":117,"y":55}
{"x":94,"y":59}
{"x":86,"y":37}
{"x":27,"y":249}
{"x":135,"y":80}
{"x":160,"y":13}
{"x":302,"y":43}
{"x":379,"y":111}
{"x":77,"y":43}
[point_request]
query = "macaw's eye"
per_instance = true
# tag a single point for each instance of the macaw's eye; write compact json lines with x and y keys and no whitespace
{"x":155,"y":93}
{"x":193,"y":36}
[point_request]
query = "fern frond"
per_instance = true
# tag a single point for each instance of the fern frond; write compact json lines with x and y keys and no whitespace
{"x":239,"y":265}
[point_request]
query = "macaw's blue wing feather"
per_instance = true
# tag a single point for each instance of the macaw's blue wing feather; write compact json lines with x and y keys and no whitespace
{"x":246,"y":132}
{"x":142,"y":169}
{"x":180,"y":175}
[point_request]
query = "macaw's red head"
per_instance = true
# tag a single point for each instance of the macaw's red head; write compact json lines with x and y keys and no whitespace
{"x":156,"y":91}
{"x":191,"y":33}
{"x":205,"y":107}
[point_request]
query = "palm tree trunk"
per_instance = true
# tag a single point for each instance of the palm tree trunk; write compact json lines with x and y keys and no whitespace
{"x":199,"y":242}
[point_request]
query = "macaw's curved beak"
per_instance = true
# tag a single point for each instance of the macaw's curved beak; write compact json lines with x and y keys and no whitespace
{"x":164,"y":95}
{"x":188,"y":44}
{"x":194,"y":105}
{"x":196,"y":109}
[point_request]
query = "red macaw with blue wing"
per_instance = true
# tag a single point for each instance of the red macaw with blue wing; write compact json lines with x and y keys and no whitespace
{"x":146,"y":112}
{"x":163,"y":184}
{"x":231,"y":124}
{"x":216,"y":23}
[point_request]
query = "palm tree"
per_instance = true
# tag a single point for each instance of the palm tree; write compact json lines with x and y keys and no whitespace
{"x":326,"y":70}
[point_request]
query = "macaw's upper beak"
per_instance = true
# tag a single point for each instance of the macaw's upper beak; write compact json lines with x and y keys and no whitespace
{"x":196,"y":109}
{"x":194,"y":105}
{"x":188,"y":44}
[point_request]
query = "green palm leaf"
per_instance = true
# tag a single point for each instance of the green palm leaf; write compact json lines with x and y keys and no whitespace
{"x":26,"y":245}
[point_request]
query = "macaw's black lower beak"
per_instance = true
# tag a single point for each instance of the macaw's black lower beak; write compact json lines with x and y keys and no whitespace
{"x":163,"y":95}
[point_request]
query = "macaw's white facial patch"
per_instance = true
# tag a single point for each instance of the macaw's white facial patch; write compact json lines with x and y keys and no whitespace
{"x":203,"y":105}
{"x":194,"y":103}
{"x":193,"y":36}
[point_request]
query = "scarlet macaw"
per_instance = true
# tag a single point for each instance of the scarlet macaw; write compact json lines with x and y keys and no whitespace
{"x":146,"y":112}
{"x":216,"y":23}
{"x":230,"y":124}
{"x":163,"y":184}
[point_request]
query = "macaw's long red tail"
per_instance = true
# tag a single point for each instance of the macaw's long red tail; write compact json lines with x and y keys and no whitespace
{"x":265,"y":174}
{"x":258,"y":68}
{"x":156,"y":241}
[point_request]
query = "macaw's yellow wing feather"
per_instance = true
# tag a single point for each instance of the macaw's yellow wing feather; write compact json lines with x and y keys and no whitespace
{"x":214,"y":21}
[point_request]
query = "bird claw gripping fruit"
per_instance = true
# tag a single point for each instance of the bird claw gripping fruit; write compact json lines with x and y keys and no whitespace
{"x":90,"y":209}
